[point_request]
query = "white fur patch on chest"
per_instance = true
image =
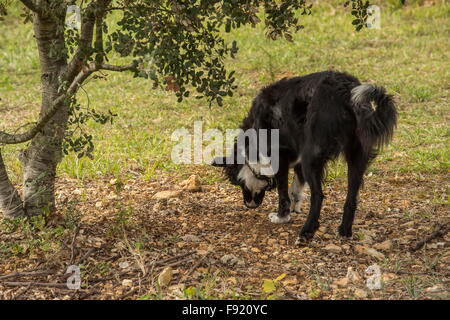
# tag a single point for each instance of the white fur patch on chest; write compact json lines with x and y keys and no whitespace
{"x":251,"y":182}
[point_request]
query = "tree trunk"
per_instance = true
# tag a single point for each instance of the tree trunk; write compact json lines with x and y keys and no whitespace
{"x":40,"y":159}
{"x":10,"y":202}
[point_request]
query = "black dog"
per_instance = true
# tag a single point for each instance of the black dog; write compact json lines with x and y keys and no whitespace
{"x":319,"y":117}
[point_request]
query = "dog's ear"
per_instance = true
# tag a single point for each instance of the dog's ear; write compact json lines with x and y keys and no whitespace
{"x":219,"y":162}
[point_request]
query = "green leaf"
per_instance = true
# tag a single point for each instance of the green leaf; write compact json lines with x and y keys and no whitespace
{"x":268,"y":286}
{"x":280,"y":277}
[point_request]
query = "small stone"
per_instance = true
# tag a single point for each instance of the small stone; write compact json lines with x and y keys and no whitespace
{"x":202,"y":252}
{"x":333,"y":248}
{"x":341,"y":282}
{"x":440,"y":244}
{"x":386,"y":277}
{"x":436,"y":288}
{"x":168,"y":194}
{"x":369,"y":251}
{"x":190,"y":238}
{"x":192,"y":184}
{"x":359,"y":293}
{"x":374,"y":253}
{"x":384,"y":246}
{"x":408,"y":224}
{"x":165,"y":277}
{"x":352,"y":275}
{"x":124,"y":264}
{"x":127,"y":283}
{"x":229,"y":259}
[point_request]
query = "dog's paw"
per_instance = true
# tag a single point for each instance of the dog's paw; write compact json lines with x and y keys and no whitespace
{"x":301,"y":241}
{"x":344,"y":233}
{"x":308,"y":233}
{"x":274,"y":218}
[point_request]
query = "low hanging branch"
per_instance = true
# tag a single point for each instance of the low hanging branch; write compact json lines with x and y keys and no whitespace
{"x":7,"y":138}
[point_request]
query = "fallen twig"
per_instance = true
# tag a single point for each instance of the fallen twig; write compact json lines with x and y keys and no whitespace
{"x":129,"y":293}
{"x":72,"y":245}
{"x":36,"y":284}
{"x":21,"y":293}
{"x":86,"y":255}
{"x":195,"y":266}
{"x":26,"y":274}
{"x":171,"y":259}
{"x":294,"y":295}
{"x":439,"y":231}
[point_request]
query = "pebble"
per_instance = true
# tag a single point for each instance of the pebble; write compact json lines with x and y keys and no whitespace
{"x":166,"y":194}
{"x":229,"y":259}
{"x":165,"y":276}
{"x":341,"y":282}
{"x":192,"y":184}
{"x":190,"y":238}
{"x":127,"y":282}
{"x":359,"y":293}
{"x":369,"y":251}
{"x":384,"y":246}
{"x":333,"y":248}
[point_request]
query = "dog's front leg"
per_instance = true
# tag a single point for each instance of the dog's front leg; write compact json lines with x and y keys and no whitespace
{"x":284,"y":203}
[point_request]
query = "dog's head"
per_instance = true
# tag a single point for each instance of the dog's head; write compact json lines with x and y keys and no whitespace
{"x":253,"y":185}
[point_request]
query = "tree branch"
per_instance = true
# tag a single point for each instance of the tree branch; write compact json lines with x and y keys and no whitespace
{"x":110,"y":67}
{"x":85,"y":43}
{"x":31,"y":5}
{"x":92,"y":18}
{"x":7,"y":138}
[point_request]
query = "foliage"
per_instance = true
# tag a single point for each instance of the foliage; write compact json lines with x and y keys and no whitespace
{"x":270,"y":286}
{"x":179,"y":45}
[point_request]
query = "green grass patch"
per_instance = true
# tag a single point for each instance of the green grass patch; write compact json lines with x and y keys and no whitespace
{"x":409,"y":55}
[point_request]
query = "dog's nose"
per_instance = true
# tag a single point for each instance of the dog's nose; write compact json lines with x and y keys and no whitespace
{"x":251,"y":205}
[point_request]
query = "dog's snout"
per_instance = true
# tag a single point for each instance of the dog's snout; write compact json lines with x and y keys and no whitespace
{"x":251,"y":205}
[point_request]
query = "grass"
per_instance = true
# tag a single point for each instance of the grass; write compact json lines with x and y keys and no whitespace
{"x":409,"y":55}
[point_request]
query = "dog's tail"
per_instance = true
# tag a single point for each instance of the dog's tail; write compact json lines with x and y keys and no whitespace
{"x":375,"y":127}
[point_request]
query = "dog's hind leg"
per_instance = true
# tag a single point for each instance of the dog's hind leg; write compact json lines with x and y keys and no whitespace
{"x":313,"y":164}
{"x":296,"y":191}
{"x":357,"y":163}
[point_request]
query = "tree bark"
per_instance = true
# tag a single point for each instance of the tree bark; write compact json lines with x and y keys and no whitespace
{"x":40,"y":159}
{"x":10,"y":202}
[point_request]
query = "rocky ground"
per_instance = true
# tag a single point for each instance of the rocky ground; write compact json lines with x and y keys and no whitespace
{"x":171,"y":239}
